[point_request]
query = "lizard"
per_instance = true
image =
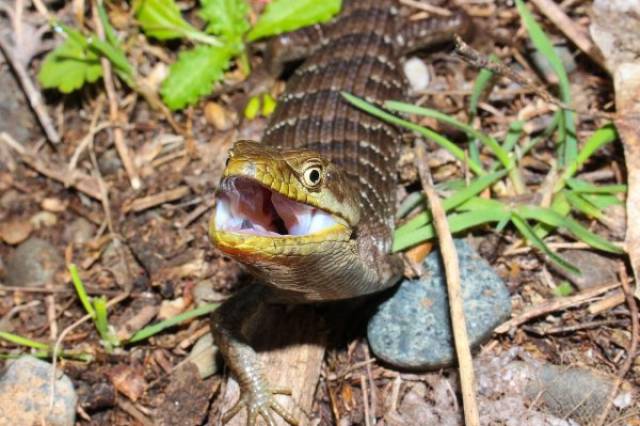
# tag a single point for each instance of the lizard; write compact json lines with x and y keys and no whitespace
{"x":310,"y":209}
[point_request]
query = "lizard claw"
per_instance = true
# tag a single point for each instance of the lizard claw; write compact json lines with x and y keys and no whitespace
{"x":263,"y":404}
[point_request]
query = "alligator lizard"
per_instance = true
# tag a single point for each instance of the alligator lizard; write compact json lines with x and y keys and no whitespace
{"x":310,"y":209}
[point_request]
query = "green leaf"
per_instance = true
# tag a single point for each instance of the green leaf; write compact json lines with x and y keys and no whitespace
{"x":227,"y":18}
{"x":564,"y":289}
{"x":480,"y":86}
{"x":80,"y":289}
{"x":69,"y":67}
{"x":288,"y":15}
{"x":529,"y":234}
{"x":453,"y":201}
{"x":604,"y":135}
{"x":545,"y":47}
{"x":428,"y":133}
{"x":583,"y":186}
{"x":194,"y":74}
{"x":552,"y":218}
{"x":161,"y":19}
{"x":109,"y":33}
{"x":457,"y":222}
{"x":252,"y":108}
{"x":490,"y":142}
{"x":154,"y":329}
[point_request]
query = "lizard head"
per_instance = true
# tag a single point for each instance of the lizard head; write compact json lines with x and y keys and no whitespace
{"x":275,"y":203}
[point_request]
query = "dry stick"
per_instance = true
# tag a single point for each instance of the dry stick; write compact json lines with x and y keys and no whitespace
{"x":32,"y":93}
{"x":633,"y":345}
{"x":452,"y":272}
{"x":114,"y":116}
{"x":554,"y":305}
{"x":478,"y":60}
{"x":365,"y":400}
{"x":81,"y":181}
{"x":565,"y":24}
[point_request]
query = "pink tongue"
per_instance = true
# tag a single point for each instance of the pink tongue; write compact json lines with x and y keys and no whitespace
{"x":250,"y":202}
{"x":296,"y":216}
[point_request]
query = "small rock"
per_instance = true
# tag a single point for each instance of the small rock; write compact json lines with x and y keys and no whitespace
{"x":564,"y":388}
{"x":203,"y":355}
{"x":43,"y":219}
{"x":128,"y":380}
{"x":54,"y":205}
{"x":171,"y":308}
{"x":412,"y":330}
{"x":417,"y":74}
{"x":596,"y":269}
{"x":203,"y":293}
{"x":79,"y":231}
{"x":25,"y":392}
{"x":220,"y":117}
{"x":15,"y":231}
{"x":33,"y":263}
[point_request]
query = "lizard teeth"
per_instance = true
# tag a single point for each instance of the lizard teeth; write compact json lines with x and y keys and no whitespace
{"x":246,"y":207}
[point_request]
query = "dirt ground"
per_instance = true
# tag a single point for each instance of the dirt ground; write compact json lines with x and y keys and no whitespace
{"x":148,"y":249}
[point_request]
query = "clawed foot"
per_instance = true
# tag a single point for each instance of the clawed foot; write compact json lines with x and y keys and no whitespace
{"x":263,"y":404}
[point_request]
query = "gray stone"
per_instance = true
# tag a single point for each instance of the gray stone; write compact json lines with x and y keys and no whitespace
{"x":25,"y":389}
{"x":412,"y":330}
{"x":79,"y":231}
{"x":33,"y":263}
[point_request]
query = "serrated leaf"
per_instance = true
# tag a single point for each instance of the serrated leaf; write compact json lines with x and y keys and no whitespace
{"x":288,"y":15}
{"x":227,"y":18}
{"x":69,"y":67}
{"x":194,"y":74}
{"x":161,"y":19}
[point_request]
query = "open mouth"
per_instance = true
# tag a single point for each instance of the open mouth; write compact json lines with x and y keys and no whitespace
{"x":244,"y":206}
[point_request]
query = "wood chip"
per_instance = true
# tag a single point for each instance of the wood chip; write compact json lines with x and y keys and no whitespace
{"x":154,"y":200}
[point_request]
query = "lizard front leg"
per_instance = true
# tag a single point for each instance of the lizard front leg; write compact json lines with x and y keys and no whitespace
{"x":228,"y":325}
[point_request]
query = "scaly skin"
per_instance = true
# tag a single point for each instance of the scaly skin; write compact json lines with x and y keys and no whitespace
{"x":313,"y":127}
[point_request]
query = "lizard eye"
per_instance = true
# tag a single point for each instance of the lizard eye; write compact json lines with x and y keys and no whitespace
{"x":312,"y":176}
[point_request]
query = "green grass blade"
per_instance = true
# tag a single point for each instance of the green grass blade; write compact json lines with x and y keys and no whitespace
{"x":428,"y":133}
{"x":552,"y":218}
{"x":81,"y":291}
{"x":491,"y":143}
{"x":459,"y":197}
{"x":585,"y":187}
{"x":604,"y":135}
{"x":545,"y":47}
{"x":529,"y":234}
{"x":108,"y":338}
{"x":23,"y":341}
{"x":154,"y":329}
{"x":581,"y":204}
{"x":457,"y":222}
{"x":603,"y":201}
{"x":481,"y":84}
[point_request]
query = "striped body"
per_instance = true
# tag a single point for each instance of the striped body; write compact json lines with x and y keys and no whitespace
{"x":355,"y":54}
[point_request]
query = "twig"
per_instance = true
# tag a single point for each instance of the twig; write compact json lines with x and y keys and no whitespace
{"x":452,"y":272}
{"x":118,"y":132}
{"x":478,"y":60}
{"x":365,"y":400}
{"x":633,"y":345}
{"x":426,"y":7}
{"x":554,"y":305}
{"x":80,"y":181}
{"x":32,"y":93}
{"x":149,"y":201}
{"x":565,"y":24}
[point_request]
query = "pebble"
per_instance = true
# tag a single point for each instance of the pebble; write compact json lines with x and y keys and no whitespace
{"x":79,"y":231}
{"x":204,"y":355}
{"x":596,"y":270}
{"x":411,"y":329}
{"x":222,"y":118}
{"x":33,"y":263}
{"x":15,"y":231}
{"x":25,"y":392}
{"x":43,"y":219}
{"x":417,"y":74}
